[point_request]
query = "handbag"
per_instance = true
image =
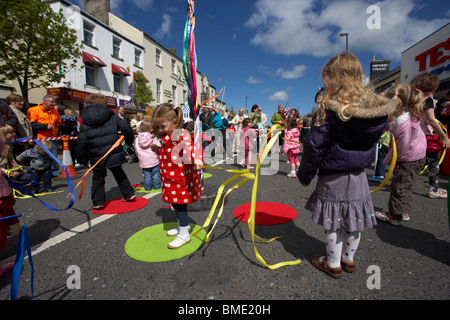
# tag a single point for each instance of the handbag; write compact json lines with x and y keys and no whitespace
{"x":433,"y":144}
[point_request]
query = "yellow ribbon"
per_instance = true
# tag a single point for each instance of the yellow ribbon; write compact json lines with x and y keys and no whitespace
{"x":246,"y":175}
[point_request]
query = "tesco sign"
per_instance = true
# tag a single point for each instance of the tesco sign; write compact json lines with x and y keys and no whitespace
{"x":437,"y":55}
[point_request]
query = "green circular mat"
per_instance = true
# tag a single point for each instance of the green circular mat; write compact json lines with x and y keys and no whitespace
{"x":150,"y":244}
{"x":142,"y":190}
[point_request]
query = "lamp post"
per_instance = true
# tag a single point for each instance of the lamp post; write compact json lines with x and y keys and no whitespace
{"x":246,"y":110}
{"x":346,"y":40}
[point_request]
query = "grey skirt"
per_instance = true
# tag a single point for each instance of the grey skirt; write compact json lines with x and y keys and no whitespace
{"x":342,"y":201}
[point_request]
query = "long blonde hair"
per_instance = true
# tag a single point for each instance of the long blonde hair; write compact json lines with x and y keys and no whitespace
{"x":7,"y":154}
{"x":342,"y":77}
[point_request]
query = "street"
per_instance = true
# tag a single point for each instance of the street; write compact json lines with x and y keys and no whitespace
{"x":410,"y":262}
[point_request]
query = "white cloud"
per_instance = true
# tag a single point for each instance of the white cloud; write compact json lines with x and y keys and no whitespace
{"x":164,"y":29}
{"x":279,"y":96}
{"x":253,"y":80}
{"x":144,"y":5}
{"x":291,"y":27}
{"x":116,"y":6}
{"x":295,"y":73}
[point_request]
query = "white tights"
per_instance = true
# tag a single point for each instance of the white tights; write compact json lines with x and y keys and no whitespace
{"x":341,"y":245}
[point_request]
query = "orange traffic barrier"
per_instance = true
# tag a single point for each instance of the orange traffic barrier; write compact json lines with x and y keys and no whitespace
{"x":67,"y":159}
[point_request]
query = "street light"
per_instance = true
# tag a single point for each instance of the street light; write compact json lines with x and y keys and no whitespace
{"x":246,"y":110}
{"x":346,"y":40}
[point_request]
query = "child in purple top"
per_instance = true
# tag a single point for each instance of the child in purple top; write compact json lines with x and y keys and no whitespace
{"x":411,"y":150}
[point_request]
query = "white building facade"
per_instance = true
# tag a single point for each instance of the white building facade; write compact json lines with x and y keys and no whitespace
{"x":113,"y":52}
{"x":108,"y":63}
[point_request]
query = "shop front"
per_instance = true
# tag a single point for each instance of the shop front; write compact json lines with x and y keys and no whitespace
{"x":75,"y":99}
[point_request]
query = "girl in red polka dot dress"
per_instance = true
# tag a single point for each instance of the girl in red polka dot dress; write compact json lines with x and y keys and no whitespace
{"x":180,"y":162}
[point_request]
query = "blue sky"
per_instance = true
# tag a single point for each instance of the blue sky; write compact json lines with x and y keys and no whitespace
{"x":272,"y":51}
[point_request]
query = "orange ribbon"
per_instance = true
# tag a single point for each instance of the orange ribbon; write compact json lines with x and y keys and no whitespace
{"x":86,"y":174}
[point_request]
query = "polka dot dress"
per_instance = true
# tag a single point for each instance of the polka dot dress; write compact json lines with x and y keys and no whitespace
{"x":180,"y":181}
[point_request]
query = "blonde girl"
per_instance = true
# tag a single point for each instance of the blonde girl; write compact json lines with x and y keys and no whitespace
{"x":7,"y":161}
{"x":180,"y":162}
{"x":411,"y":150}
{"x":349,"y":121}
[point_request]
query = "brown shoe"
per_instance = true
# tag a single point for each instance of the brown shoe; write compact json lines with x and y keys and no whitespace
{"x":100,"y":207}
{"x":348,"y":266}
{"x":132,"y":198}
{"x":335,"y":273}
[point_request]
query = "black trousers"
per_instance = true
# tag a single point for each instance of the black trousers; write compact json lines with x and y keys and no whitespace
{"x":98,"y":184}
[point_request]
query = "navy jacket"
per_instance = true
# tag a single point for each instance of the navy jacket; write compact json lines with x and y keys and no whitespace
{"x":99,"y":130}
{"x":342,"y":146}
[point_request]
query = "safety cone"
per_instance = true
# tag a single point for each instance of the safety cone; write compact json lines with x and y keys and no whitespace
{"x":67,"y":159}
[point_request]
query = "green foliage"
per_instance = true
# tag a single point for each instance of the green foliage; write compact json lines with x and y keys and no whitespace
{"x":36,"y":41}
{"x":143,"y":94}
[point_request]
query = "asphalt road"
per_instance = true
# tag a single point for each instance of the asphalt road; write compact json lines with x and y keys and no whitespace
{"x":410,"y":262}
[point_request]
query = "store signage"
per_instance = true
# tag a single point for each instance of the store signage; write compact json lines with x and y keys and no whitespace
{"x":77,"y":95}
{"x":435,"y":54}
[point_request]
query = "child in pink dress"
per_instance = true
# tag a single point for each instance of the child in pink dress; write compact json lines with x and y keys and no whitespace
{"x":292,"y":148}
{"x":247,"y":135}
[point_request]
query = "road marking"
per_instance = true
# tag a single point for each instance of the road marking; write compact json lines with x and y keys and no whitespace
{"x":84,"y":226}
{"x":79,"y":229}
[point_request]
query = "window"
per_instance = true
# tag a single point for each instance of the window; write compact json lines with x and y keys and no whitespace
{"x":117,"y":83}
{"x":90,"y":75}
{"x":158,"y":91}
{"x":88,"y":31}
{"x":158,"y":57}
{"x":173,"y":68}
{"x":137,"y":57}
{"x":185,"y":97}
{"x":116,"y":47}
{"x":174,"y":95}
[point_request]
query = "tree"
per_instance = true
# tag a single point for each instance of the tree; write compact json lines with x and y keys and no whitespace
{"x":38,"y":47}
{"x":141,"y":91}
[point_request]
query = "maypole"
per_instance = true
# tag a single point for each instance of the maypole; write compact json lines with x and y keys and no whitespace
{"x":190,"y":59}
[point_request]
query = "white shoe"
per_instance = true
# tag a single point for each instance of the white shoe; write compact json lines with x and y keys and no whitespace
{"x":174,"y":232}
{"x":182,"y":238}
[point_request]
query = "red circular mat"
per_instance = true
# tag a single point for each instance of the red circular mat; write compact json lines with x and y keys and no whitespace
{"x":117,"y":206}
{"x":266,"y":213}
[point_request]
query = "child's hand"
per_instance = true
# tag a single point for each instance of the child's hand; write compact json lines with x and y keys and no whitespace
{"x":198,"y":164}
{"x":154,"y":148}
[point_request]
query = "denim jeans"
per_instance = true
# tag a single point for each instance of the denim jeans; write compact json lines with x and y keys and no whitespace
{"x":152,"y":178}
{"x":380,"y":169}
{"x":46,"y":176}
{"x":54,"y":150}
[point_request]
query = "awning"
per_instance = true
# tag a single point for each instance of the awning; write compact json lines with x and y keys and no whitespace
{"x":116,"y":69}
{"x":135,"y":75}
{"x":87,"y":57}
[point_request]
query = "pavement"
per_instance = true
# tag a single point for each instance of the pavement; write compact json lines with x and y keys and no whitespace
{"x":410,"y":262}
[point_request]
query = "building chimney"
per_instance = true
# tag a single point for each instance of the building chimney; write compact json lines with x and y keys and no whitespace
{"x":172,"y":51}
{"x":99,"y":9}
